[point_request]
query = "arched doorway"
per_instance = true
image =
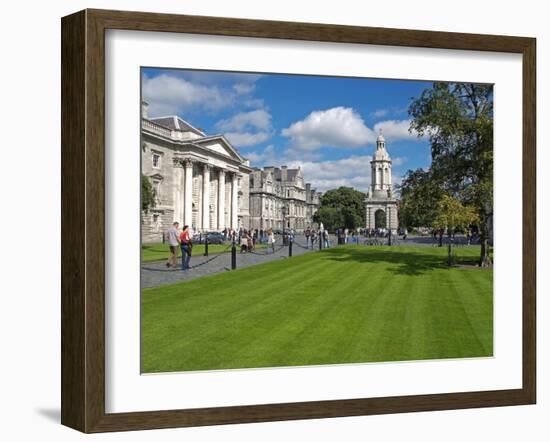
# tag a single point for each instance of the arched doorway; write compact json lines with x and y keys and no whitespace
{"x":380,"y":219}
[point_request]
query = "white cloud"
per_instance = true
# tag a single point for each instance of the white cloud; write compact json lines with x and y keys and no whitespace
{"x":294,"y":155}
{"x":244,"y":139}
{"x":398,"y":161}
{"x":171,"y":95}
{"x":353,"y":172}
{"x":244,"y":88}
{"x":256,"y":119}
{"x":335,"y":127}
{"x":252,"y":103}
{"x":263,"y":157}
{"x":178,"y":92}
{"x":395,"y":130}
{"x":378,"y":113}
{"x":247,"y":128}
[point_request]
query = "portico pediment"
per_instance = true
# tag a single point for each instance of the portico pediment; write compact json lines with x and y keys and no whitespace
{"x":220,"y":145}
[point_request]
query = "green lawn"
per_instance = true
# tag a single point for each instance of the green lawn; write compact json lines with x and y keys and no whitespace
{"x":159,"y":251}
{"x":341,"y":305}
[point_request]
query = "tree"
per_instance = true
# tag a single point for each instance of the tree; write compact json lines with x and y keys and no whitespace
{"x":342,"y":207}
{"x":420,"y":193}
{"x":330,"y":217}
{"x":458,"y":120}
{"x":147,"y":194}
{"x":452,"y":216}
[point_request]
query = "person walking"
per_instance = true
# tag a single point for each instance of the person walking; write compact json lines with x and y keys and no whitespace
{"x":186,"y":245}
{"x":271,"y":239}
{"x":172,"y":237}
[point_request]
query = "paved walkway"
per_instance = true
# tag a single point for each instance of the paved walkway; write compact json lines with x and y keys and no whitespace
{"x":154,"y":274}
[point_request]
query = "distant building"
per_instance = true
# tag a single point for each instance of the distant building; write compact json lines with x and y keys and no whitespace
{"x":381,"y":205}
{"x":198,"y":180}
{"x":279,"y":195}
{"x":203,"y":181}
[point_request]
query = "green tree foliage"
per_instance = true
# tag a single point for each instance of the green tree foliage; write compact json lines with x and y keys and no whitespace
{"x":420,"y":194}
{"x":458,"y":120}
{"x":147,"y":194}
{"x":329,"y":216}
{"x":342,"y":207}
{"x":452,"y":215}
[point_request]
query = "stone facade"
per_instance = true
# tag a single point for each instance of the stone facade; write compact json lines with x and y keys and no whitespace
{"x":380,"y":197}
{"x":280,"y":195}
{"x":198,"y":180}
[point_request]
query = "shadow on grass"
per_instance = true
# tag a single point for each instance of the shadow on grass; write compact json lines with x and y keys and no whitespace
{"x":400,"y":262}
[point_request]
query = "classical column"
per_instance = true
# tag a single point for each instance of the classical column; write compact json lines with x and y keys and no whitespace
{"x":372,"y":218}
{"x":188,"y":190}
{"x":221,"y":199}
{"x":178,"y":190}
{"x":234,"y":201}
{"x":206,"y":197}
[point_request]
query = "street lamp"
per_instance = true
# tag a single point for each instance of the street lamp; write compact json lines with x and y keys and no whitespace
{"x":389,"y":226}
{"x":284,"y":222}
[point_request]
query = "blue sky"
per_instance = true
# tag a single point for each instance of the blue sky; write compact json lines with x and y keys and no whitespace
{"x":326,"y":125}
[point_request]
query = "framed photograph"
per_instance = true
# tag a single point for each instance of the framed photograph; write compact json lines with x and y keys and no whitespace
{"x":269,"y":221}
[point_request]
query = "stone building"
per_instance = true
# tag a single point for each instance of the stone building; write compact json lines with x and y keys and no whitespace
{"x":198,"y":180}
{"x":381,"y":205}
{"x":279,"y":195}
{"x":313,"y":201}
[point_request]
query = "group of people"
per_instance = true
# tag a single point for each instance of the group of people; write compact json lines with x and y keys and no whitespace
{"x":246,"y":239}
{"x":182,"y":240}
{"x":312,"y":236}
{"x":249,"y":238}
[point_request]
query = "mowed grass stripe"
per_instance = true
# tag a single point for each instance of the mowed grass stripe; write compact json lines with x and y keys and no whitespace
{"x":452,"y":332}
{"x":309,"y":321}
{"x":257,"y":324}
{"x":227,"y":308}
{"x":347,"y":304}
{"x":475,"y":306}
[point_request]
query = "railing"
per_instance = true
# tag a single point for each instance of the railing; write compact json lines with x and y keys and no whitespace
{"x":156,"y":128}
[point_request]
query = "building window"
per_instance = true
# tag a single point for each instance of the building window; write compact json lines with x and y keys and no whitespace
{"x":156,"y":161}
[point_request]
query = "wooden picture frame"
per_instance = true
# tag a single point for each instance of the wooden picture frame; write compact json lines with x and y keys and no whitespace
{"x":83,"y":220}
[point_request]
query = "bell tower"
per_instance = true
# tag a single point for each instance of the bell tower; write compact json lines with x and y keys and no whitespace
{"x":381,"y":169}
{"x":381,"y":206}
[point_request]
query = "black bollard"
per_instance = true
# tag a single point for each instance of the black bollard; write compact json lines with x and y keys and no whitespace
{"x":233,"y":256}
{"x":320,"y":240}
{"x":290,"y":247}
{"x":206,"y":246}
